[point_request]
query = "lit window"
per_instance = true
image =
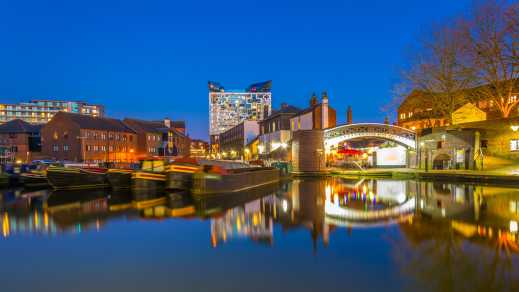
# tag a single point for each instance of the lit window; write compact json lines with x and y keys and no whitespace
{"x":514,"y":145}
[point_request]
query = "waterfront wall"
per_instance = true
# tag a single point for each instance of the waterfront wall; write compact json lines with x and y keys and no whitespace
{"x":308,"y":151}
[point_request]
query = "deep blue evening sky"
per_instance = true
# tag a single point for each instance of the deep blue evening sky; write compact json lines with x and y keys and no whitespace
{"x":152,"y":59}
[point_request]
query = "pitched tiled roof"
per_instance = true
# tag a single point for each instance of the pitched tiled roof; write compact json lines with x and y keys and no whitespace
{"x":146,"y":126}
{"x":284,"y":110}
{"x":19,"y":126}
{"x":152,"y":126}
{"x":95,"y":123}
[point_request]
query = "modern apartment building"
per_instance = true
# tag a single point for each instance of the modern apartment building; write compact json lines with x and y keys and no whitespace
{"x":228,"y":108}
{"x":42,"y":111}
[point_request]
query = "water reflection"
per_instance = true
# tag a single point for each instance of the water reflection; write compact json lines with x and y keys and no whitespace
{"x":449,"y":236}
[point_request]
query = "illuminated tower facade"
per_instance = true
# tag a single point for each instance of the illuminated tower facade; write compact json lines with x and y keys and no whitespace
{"x":228,"y":108}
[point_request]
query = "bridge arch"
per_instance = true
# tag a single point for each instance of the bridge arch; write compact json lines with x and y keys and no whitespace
{"x":402,"y":136}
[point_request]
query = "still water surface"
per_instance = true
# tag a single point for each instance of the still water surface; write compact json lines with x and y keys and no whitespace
{"x":307,"y":235}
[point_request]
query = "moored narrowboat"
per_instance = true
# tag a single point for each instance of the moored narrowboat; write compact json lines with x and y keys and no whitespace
{"x":148,"y":180}
{"x":77,"y":178}
{"x":34,"y":179}
{"x":119,"y":178}
{"x":179,"y":174}
{"x":233,"y":180}
{"x":150,"y":177}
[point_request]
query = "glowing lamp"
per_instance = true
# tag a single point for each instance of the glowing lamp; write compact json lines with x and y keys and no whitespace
{"x":513,"y":226}
{"x":514,"y":127}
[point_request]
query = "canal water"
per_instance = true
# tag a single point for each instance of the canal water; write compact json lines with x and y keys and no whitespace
{"x":306,"y":235}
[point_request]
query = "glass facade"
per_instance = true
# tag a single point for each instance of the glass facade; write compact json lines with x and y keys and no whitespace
{"x":229,"y":108}
{"x":41,"y":111}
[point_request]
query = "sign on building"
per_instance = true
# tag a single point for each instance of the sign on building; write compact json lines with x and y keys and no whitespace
{"x":468,"y":113}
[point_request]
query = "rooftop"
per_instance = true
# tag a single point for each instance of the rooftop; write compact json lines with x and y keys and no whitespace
{"x":95,"y":123}
{"x":19,"y":126}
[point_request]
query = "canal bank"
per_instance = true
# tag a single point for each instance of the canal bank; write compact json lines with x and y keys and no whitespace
{"x":471,"y":176}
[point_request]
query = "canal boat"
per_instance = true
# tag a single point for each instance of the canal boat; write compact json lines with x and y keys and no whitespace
{"x":34,"y":179}
{"x":151,"y":176}
{"x":77,"y":178}
{"x":215,"y":181}
{"x":119,"y":178}
{"x":179,"y":174}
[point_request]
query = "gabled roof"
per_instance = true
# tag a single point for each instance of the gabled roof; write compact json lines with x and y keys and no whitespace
{"x":145,"y":126}
{"x":288,"y":109}
{"x":19,"y":126}
{"x":95,"y":123}
{"x":152,"y":126}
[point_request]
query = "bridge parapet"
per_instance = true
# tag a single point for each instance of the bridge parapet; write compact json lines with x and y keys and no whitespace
{"x":398,"y":134}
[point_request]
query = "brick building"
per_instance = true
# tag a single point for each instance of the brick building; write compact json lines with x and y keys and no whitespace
{"x":233,"y":141}
{"x":149,"y":137}
{"x":418,"y":111}
{"x":199,"y":148}
{"x":490,"y":144}
{"x":81,"y":138}
{"x":19,"y":141}
{"x":160,"y":138}
{"x":275,"y":133}
{"x":316,"y":116}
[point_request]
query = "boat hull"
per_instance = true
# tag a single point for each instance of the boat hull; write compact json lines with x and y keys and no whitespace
{"x":179,"y":181}
{"x":142,"y":180}
{"x":31,"y":180}
{"x":119,"y":178}
{"x":205,"y":184}
{"x":179,"y":176}
{"x":70,"y":178}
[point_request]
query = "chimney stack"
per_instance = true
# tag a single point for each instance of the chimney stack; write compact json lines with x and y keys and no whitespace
{"x":349,"y":116}
{"x":313,"y":100}
{"x":167,"y":123}
{"x":324,"y":97}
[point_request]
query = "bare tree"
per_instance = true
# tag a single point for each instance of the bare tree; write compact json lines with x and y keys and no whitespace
{"x":492,"y":34}
{"x":441,"y":71}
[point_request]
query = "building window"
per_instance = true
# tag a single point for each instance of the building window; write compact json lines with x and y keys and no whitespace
{"x":66,"y":148}
{"x":55,"y":135}
{"x":484,"y":143}
{"x":439,"y":145}
{"x":65,"y":135}
{"x":514,"y":145}
{"x":55,"y":148}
